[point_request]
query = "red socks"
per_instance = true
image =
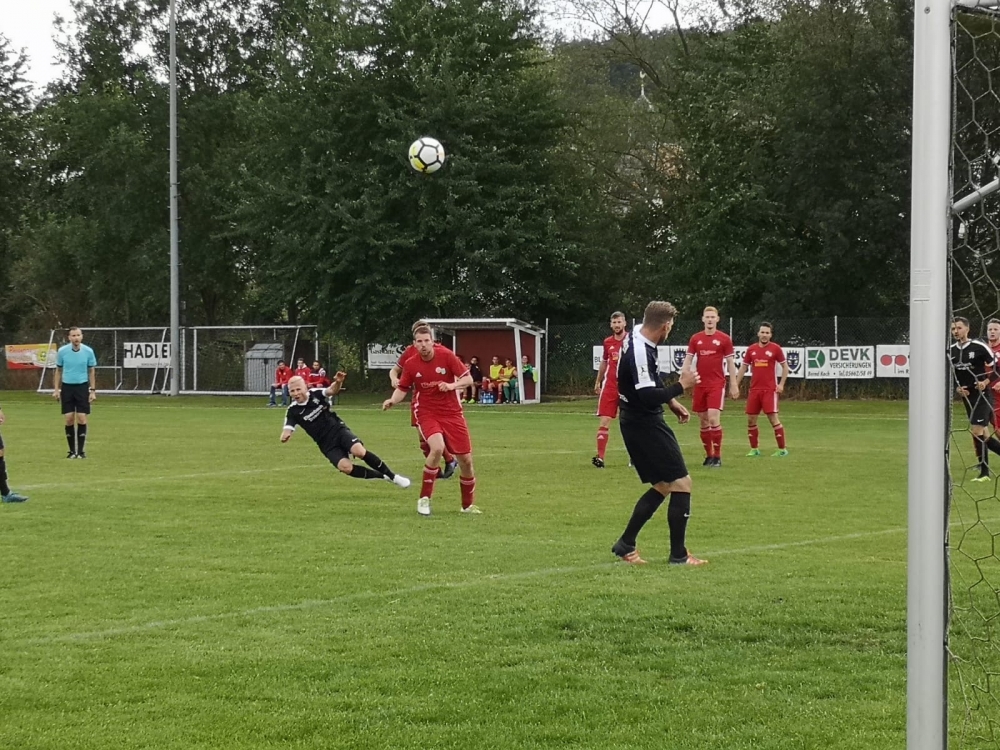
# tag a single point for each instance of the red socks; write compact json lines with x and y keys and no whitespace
{"x":715,"y":436}
{"x":754,"y":434}
{"x":427,"y":483}
{"x":602,"y":441}
{"x":468,"y":491}
{"x":779,"y":435}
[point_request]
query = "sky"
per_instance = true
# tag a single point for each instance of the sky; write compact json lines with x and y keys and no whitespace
{"x":28,"y":24}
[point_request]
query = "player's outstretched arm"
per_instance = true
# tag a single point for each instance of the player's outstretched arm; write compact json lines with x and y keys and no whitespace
{"x":337,"y":384}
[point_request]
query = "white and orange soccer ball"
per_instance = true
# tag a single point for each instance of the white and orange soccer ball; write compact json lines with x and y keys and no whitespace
{"x":426,"y":155}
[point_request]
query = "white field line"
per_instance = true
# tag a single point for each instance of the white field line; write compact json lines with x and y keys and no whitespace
{"x":308,"y":604}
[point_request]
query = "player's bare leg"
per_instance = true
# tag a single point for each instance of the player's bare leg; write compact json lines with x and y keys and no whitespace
{"x":467,"y":479}
{"x":602,"y":441}
{"x":753,"y":435}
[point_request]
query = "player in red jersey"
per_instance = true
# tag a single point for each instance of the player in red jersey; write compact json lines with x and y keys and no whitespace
{"x":450,"y":463}
{"x":437,"y":377}
{"x":713,"y":350}
{"x":761,"y":359}
{"x":606,"y":385}
{"x":993,"y":341}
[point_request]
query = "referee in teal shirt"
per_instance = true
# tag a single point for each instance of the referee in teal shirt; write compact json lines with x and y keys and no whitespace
{"x":75,"y":389}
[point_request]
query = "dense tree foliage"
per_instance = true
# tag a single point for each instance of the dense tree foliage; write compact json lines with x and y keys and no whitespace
{"x":756,"y":160}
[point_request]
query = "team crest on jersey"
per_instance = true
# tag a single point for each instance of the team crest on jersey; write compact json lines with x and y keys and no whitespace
{"x":679,"y":355}
{"x":769,"y":354}
{"x":716,"y":342}
{"x":793,"y":361}
{"x":440,"y":370}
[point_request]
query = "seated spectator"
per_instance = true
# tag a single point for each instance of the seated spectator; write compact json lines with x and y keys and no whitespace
{"x":508,"y":382}
{"x":472,"y":392}
{"x":281,"y":377}
{"x":493,"y":384}
{"x":317,"y":377}
{"x":529,"y":371}
{"x":302,"y":370}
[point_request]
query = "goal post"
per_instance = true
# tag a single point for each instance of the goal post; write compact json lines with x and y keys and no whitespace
{"x":214,"y":360}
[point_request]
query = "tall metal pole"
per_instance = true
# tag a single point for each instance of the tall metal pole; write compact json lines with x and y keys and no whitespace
{"x":926,"y":605}
{"x":175,"y":283}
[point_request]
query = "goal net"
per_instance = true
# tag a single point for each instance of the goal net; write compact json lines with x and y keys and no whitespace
{"x":973,"y":635}
{"x":219,"y":360}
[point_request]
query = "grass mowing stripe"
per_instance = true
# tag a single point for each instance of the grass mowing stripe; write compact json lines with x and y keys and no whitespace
{"x":439,"y":586}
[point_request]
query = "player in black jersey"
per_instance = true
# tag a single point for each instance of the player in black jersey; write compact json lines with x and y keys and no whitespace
{"x":972,"y":364}
{"x":652,"y":445}
{"x":310,"y":410}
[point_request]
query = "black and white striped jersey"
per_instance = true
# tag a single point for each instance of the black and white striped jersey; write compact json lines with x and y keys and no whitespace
{"x":970,"y":362}
{"x":641,"y":391}
{"x":315,"y":416}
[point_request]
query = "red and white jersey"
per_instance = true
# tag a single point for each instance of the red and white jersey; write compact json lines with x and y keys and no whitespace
{"x":761,"y":362}
{"x":303,"y":372}
{"x":711,"y":352}
{"x":411,"y":351}
{"x":612,"y":352}
{"x":425,"y":377}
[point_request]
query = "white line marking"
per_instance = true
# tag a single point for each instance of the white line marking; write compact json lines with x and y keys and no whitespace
{"x":307,"y":604}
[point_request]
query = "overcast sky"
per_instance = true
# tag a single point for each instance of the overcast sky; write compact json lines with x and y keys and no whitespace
{"x":28,"y":24}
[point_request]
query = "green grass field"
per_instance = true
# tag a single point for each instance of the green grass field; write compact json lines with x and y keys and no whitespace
{"x":195,"y":584}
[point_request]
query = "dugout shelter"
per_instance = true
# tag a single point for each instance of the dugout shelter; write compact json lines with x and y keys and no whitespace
{"x":502,"y":337}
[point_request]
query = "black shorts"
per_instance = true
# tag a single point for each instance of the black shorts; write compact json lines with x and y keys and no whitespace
{"x":654,"y":450}
{"x":337,"y":445}
{"x":979,"y":407}
{"x":75,"y":397}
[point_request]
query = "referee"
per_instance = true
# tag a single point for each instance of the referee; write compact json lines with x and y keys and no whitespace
{"x":972,"y":363}
{"x":75,"y":388}
{"x":651,"y":445}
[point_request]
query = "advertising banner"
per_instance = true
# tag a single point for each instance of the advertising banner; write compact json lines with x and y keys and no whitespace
{"x":30,"y":356}
{"x":892,"y":360}
{"x":146,"y":354}
{"x":384,"y":356}
{"x":840,"y":362}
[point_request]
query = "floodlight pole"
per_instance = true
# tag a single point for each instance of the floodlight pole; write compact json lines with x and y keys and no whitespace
{"x":930,"y":216}
{"x":175,"y":284}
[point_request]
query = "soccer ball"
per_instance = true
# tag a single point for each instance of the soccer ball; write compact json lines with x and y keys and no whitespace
{"x":426,"y":155}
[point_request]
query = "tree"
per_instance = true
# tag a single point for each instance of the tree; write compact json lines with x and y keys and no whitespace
{"x":366,"y":242}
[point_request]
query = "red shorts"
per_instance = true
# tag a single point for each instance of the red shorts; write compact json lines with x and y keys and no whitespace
{"x":452,"y":426}
{"x":708,"y":397}
{"x":607,"y":403}
{"x":762,"y":401}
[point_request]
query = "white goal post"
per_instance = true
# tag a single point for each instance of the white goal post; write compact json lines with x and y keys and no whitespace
{"x":214,"y":360}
